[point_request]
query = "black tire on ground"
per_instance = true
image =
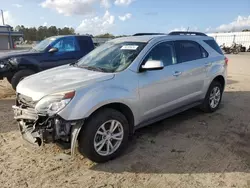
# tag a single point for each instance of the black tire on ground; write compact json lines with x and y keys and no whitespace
{"x":236,"y":51}
{"x":9,"y":78}
{"x":18,"y":76}
{"x":206,"y":107}
{"x":90,"y":127}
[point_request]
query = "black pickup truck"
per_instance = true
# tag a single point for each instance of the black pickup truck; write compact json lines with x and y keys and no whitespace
{"x":49,"y":53}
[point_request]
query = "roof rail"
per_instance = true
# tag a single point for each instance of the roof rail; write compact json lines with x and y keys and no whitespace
{"x":141,"y":34}
{"x":187,"y":33}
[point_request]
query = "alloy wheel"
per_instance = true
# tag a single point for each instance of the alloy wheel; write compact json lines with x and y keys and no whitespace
{"x":214,"y":98}
{"x":108,"y":137}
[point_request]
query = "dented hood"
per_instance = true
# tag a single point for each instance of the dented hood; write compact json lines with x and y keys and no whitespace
{"x":60,"y":79}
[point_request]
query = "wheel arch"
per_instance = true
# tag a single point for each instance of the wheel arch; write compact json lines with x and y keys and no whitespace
{"x":221,"y":80}
{"x":124,"y":109}
{"x":30,"y":67}
{"x":28,"y":62}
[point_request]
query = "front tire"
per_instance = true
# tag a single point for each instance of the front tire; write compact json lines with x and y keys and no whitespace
{"x":18,"y":76}
{"x":9,"y":78}
{"x":104,"y":136}
{"x":213,"y":97}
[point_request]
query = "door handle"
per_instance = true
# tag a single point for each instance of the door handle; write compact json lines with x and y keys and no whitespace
{"x":208,"y":64}
{"x":177,"y":73}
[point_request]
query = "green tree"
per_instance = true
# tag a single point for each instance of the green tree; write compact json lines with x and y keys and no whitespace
{"x":42,"y":32}
{"x":18,"y":28}
{"x":52,"y":31}
{"x":106,"y":35}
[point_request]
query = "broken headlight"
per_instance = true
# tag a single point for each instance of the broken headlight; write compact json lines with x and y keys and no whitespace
{"x":54,"y":103}
{"x":13,"y":61}
{"x":3,"y":64}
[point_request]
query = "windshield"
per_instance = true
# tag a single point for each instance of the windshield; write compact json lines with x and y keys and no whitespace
{"x":40,"y":47}
{"x":112,"y":57}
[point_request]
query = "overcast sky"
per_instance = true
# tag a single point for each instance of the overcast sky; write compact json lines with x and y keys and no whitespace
{"x":130,"y":16}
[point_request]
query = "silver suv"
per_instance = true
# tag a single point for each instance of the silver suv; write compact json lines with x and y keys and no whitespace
{"x":119,"y":87}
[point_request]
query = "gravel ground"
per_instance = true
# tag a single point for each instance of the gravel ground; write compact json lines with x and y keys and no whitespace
{"x":191,"y":149}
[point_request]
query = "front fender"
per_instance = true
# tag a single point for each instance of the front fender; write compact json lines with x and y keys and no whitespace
{"x":28,"y":62}
{"x":83,"y":105}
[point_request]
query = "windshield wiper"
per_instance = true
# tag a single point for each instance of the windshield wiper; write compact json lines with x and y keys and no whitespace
{"x":100,"y":69}
{"x":73,"y":63}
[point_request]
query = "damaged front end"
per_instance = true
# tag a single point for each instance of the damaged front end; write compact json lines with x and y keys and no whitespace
{"x":40,"y":128}
{"x":6,"y":69}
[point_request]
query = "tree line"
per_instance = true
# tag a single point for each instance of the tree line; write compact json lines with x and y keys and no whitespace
{"x":42,"y":32}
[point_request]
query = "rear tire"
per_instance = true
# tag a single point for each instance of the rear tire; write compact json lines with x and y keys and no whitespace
{"x":18,"y":76}
{"x":213,"y":98}
{"x":94,"y":144}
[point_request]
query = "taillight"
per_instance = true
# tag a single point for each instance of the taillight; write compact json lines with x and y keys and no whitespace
{"x":226,"y":60}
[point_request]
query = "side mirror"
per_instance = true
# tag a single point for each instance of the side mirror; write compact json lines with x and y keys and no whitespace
{"x":153,"y":65}
{"x":52,"y":50}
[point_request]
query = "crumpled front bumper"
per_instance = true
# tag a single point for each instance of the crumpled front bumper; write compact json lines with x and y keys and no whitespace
{"x":6,"y":69}
{"x":28,"y":113}
{"x":40,"y":129}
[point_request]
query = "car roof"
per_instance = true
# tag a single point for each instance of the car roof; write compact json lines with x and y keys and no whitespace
{"x":147,"y":38}
{"x":142,"y":38}
{"x":61,"y":36}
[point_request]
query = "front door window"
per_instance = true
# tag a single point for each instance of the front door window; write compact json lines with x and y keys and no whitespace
{"x":66,"y":45}
{"x":162,"y":52}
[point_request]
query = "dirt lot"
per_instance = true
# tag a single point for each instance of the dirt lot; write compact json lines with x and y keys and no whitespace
{"x":192,"y":149}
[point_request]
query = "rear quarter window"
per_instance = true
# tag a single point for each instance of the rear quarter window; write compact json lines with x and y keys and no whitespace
{"x":214,"y":45}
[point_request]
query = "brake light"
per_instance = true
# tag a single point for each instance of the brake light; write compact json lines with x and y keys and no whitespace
{"x":226,"y":60}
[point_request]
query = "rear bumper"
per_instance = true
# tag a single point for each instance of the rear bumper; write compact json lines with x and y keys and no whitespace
{"x":41,"y":129}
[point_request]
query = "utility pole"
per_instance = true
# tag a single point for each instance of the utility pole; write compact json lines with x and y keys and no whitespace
{"x":2,"y":17}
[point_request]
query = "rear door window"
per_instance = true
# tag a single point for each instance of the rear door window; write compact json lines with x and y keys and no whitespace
{"x":214,"y":45}
{"x":85,"y":44}
{"x":189,"y":51}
